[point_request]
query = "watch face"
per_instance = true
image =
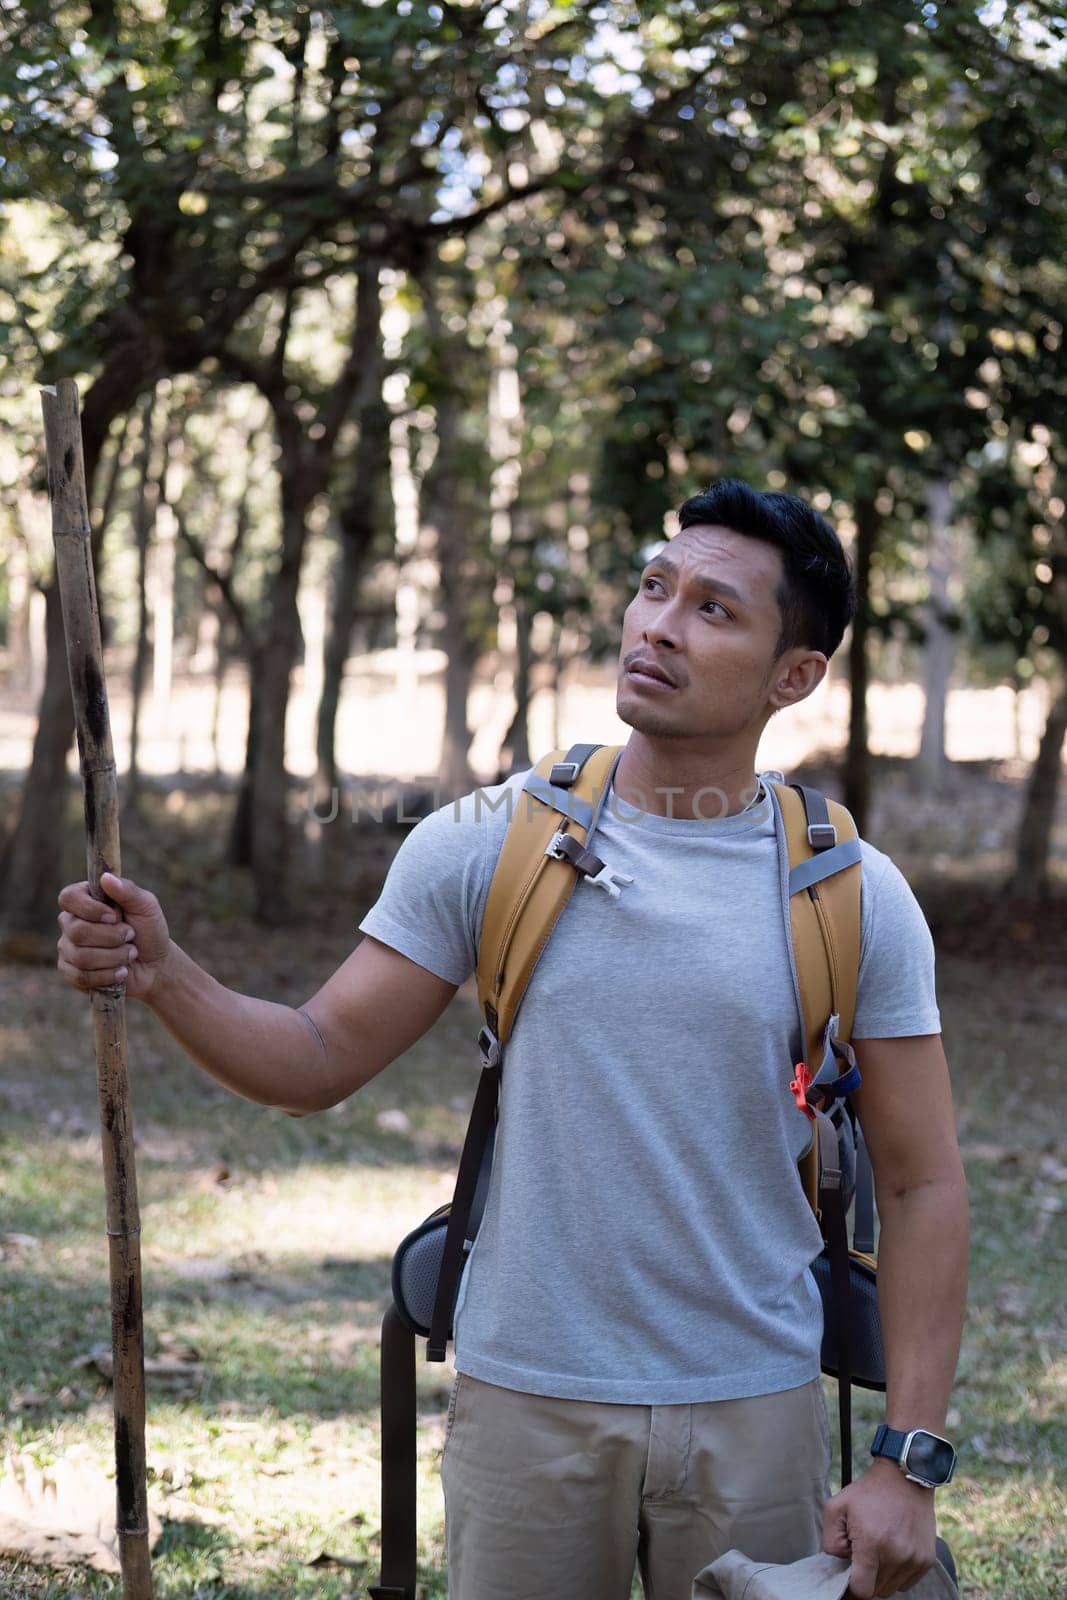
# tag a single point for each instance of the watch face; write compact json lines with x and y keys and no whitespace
{"x":930,"y":1458}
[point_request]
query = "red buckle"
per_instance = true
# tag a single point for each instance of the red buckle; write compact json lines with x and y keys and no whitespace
{"x":800,"y":1086}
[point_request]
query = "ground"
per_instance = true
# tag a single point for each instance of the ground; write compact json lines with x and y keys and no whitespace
{"x":267,"y":1240}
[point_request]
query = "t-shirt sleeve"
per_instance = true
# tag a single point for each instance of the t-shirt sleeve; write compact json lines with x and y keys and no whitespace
{"x":896,"y":994}
{"x":430,"y":904}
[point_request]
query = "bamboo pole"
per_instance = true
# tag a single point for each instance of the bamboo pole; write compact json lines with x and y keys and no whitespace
{"x":71,"y":535}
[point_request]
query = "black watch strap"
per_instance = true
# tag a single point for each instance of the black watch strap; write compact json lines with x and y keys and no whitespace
{"x":889,"y":1442}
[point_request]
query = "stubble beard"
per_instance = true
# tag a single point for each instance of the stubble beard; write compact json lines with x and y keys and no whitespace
{"x":655,"y":723}
{"x":644,"y":719}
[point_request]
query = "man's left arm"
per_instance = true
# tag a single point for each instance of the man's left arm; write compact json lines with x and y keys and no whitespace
{"x":883,"y":1522}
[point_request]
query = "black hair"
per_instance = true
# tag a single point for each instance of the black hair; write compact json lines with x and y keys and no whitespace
{"x":816,"y":596}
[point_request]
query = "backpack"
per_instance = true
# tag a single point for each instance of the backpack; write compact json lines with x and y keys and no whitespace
{"x":546,"y":851}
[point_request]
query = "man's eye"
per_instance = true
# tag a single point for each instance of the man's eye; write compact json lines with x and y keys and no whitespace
{"x":716,"y":603}
{"x":647,"y":581}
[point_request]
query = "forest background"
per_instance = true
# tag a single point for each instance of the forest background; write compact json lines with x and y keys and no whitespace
{"x":401,"y":329}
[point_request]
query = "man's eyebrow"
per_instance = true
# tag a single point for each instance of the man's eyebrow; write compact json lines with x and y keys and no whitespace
{"x":706,"y":580}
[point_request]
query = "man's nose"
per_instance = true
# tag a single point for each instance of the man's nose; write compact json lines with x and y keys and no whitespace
{"x":662,"y":629}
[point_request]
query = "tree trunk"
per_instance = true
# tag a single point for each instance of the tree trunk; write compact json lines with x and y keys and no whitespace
{"x":33,"y":854}
{"x":364,"y":506}
{"x":147,"y":499}
{"x":32,"y":864}
{"x":441,"y":509}
{"x":938,"y":647}
{"x":239,"y":845}
{"x":20,"y":590}
{"x":275,"y":659}
{"x":164,"y":568}
{"x":857,"y":759}
{"x":1030,"y":879}
{"x":221,"y":663}
{"x":515,"y":750}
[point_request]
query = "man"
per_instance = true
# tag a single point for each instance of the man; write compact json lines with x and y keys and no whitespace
{"x":637,"y":1334}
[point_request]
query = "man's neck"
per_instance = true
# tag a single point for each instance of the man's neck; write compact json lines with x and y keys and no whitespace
{"x":667,"y":779}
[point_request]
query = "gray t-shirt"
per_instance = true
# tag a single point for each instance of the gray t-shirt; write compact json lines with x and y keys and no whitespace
{"x":645,"y":1238}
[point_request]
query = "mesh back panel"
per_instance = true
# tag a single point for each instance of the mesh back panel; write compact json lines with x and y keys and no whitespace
{"x":418,"y":1264}
{"x":868,"y":1354}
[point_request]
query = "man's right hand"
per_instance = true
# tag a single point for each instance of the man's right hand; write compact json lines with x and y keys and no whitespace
{"x":99,"y":946}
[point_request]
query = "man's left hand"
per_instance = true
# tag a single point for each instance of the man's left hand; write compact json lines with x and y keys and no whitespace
{"x":885,"y":1526}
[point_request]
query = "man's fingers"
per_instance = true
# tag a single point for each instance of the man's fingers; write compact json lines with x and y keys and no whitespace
{"x":130,"y":895}
{"x":78,"y":978}
{"x":897,"y":1576}
{"x":835,"y":1540}
{"x":863,"y":1577}
{"x":91,"y":958}
{"x":76,"y":899}
{"x":103,"y":935}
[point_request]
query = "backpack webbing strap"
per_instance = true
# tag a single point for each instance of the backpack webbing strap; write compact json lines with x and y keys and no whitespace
{"x":835,"y":1230}
{"x":565,"y":772}
{"x":824,"y":865}
{"x":529,"y":888}
{"x":824,"y":916}
{"x":824,"y":924}
{"x":863,"y":1216}
{"x":559,"y":800}
{"x":399,"y":1515}
{"x":479,"y":1132}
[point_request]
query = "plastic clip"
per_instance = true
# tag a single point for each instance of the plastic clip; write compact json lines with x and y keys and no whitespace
{"x":799,"y":1085}
{"x":822,"y":835}
{"x":610,"y":880}
{"x":489,"y":1045}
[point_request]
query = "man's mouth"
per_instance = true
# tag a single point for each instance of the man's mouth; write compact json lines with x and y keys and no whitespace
{"x":644,"y":671}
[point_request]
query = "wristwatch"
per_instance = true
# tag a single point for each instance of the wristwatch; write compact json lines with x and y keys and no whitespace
{"x":923,"y":1457}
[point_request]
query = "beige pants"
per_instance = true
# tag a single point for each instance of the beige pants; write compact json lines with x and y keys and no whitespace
{"x":558,"y":1499}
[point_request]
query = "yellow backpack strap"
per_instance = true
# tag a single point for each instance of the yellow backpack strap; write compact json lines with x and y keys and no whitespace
{"x":540,"y":862}
{"x":543,"y":855}
{"x":824,"y":866}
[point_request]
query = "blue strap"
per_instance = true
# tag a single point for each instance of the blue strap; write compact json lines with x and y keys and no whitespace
{"x":824,"y":865}
{"x":560,"y":800}
{"x":826,"y":1072}
{"x":829,"y":1079}
{"x":848,"y":1083}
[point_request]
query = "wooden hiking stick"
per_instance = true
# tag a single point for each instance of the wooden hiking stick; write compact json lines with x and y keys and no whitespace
{"x":71,"y":535}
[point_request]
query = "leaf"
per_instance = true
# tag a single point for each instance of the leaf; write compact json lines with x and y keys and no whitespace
{"x":62,"y":1515}
{"x":326,"y":1558}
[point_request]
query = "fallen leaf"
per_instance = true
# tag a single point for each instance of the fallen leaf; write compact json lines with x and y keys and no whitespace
{"x":326,"y":1558}
{"x":61,"y":1515}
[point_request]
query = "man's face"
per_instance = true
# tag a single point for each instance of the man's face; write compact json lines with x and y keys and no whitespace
{"x":706,"y":618}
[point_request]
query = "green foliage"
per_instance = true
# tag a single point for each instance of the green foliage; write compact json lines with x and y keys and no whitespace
{"x":824,"y":252}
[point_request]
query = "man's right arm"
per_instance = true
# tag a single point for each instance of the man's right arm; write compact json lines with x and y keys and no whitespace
{"x":369,"y":1012}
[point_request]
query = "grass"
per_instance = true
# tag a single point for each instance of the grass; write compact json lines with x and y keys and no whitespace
{"x":266,"y":1255}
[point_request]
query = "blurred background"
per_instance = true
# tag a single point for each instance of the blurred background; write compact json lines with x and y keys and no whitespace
{"x":401,"y":329}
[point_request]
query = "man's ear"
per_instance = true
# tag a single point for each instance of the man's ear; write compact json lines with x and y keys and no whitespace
{"x":796,"y":674}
